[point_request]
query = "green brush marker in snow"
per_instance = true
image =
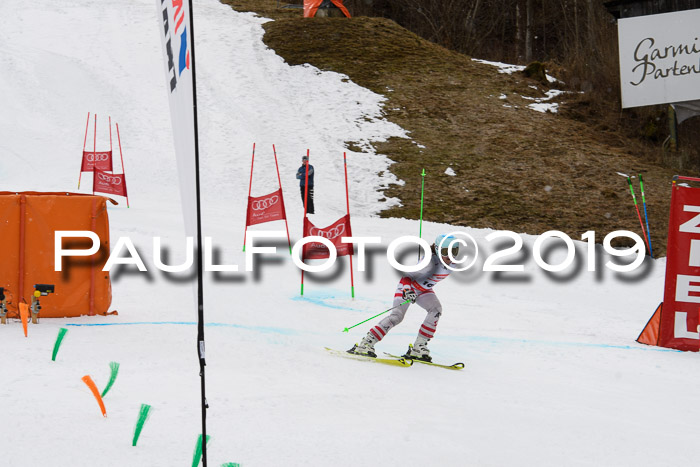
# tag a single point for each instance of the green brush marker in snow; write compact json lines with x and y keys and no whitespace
{"x":61,"y":334}
{"x":114,"y":370}
{"x":144,"y":412}
{"x":198,"y":451}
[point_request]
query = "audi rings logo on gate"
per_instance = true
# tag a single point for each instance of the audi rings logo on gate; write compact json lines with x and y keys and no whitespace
{"x":97,"y":156}
{"x":109,"y":179}
{"x":330,"y":234}
{"x":262,"y":204}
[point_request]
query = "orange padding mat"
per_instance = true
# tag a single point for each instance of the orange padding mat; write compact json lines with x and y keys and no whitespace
{"x":28,"y":222}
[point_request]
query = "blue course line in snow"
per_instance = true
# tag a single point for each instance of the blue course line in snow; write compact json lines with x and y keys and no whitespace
{"x":494,"y":340}
{"x":321,"y":301}
{"x":513,"y":340}
{"x":192,"y":323}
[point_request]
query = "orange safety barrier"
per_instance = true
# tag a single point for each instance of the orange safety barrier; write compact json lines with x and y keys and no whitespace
{"x":28,"y":222}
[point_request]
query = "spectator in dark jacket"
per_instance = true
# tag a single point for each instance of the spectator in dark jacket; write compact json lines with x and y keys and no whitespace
{"x":301,"y":175}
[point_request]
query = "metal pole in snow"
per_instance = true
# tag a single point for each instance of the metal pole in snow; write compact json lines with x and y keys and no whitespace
{"x":82,"y":157}
{"x":347,"y":202}
{"x":646,"y":218}
{"x":250,"y":187}
{"x":420,"y":229}
{"x":119,"y":140}
{"x":634,"y":198}
{"x":286,"y":225}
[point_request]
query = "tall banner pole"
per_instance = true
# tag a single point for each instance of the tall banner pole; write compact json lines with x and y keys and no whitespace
{"x":347,"y":203}
{"x":121,"y":156}
{"x":274,"y":151}
{"x":176,"y":23}
{"x":303,"y":228}
{"x":200,"y":262}
{"x":250,"y":187}
{"x":87,"y":124}
{"x":420,"y":228}
{"x":94,"y":153}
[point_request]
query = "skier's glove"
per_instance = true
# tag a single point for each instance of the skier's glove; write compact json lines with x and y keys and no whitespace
{"x":409,"y":294}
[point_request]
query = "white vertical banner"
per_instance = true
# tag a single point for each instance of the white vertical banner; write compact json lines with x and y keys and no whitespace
{"x":178,"y":54}
{"x":176,"y":37}
{"x":660,"y":58}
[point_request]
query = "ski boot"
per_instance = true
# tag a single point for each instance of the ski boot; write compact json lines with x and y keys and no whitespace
{"x":419,"y":350}
{"x":365,"y":347}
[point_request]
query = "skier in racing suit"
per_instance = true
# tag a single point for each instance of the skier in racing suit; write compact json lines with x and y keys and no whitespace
{"x":416,"y":287}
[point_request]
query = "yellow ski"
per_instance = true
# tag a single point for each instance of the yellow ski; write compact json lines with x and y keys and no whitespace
{"x":397,"y":361}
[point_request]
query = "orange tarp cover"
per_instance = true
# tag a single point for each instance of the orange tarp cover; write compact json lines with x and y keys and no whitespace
{"x":28,"y":221}
{"x":310,"y":7}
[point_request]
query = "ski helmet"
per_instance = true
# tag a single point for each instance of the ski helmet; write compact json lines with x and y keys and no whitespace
{"x":443,"y":243}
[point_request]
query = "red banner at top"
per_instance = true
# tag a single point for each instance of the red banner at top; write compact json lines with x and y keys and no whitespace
{"x":679,"y":314}
{"x":113,"y":184}
{"x":100,"y":159}
{"x":266,"y":208}
{"x":334,"y":233}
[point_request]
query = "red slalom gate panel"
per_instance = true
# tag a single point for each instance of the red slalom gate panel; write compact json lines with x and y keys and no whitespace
{"x":96,"y":159}
{"x":679,"y":313}
{"x":113,"y":184}
{"x":334,"y":232}
{"x":265,"y":208}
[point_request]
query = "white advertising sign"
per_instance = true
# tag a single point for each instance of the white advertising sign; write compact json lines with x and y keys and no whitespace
{"x":660,"y":58}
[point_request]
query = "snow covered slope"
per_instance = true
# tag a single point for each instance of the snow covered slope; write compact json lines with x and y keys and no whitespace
{"x":553,"y":374}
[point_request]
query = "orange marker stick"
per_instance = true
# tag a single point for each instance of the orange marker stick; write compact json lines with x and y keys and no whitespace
{"x":24,"y":315}
{"x":91,"y":384}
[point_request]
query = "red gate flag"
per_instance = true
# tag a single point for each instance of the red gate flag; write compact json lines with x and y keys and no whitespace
{"x":678,"y":315}
{"x":114,"y":184}
{"x":265,"y":208}
{"x":334,"y":233}
{"x":100,"y":159}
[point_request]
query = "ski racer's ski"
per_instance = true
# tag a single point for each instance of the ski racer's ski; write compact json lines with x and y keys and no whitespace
{"x":396,"y":361}
{"x":454,"y":366}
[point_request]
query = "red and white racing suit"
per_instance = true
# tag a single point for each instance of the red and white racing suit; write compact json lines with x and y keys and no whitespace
{"x":422,"y":282}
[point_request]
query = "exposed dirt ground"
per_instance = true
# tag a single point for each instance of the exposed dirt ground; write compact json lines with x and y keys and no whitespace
{"x":516,"y":169}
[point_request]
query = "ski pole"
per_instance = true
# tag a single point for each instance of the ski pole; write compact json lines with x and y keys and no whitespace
{"x":646,"y":218}
{"x":385,"y":311}
{"x":420,"y":228}
{"x":634,"y":198}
